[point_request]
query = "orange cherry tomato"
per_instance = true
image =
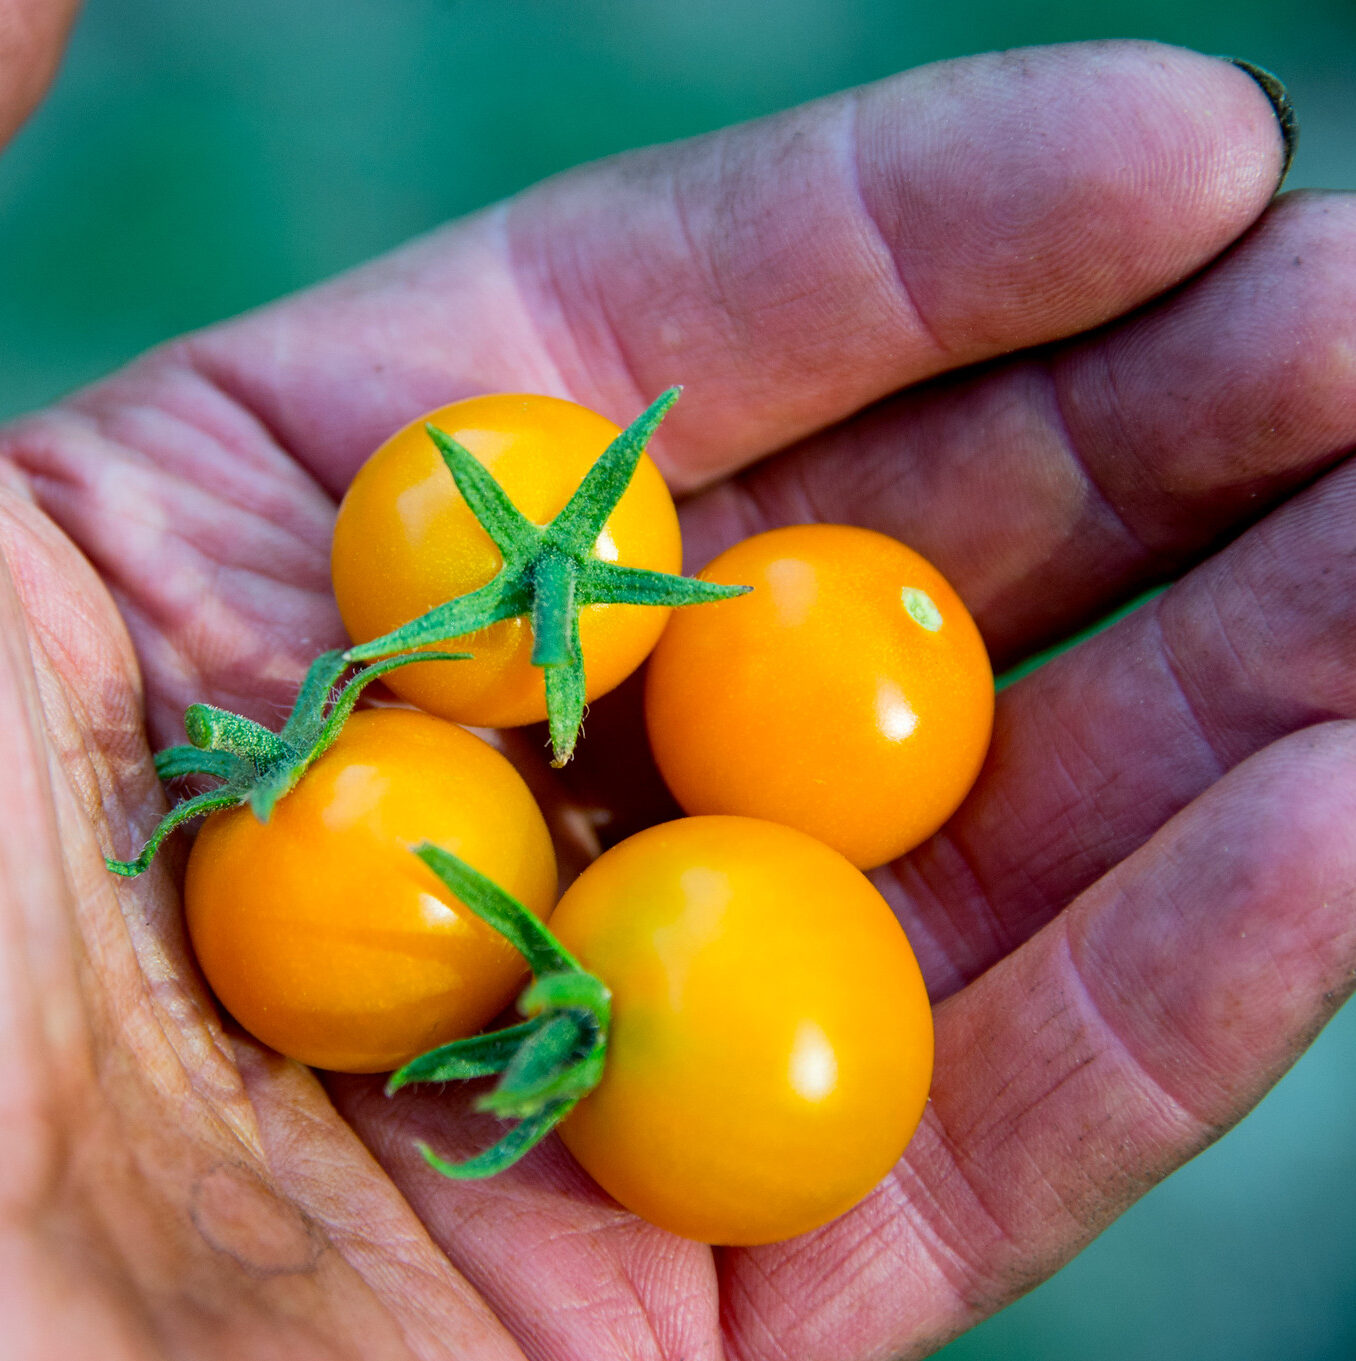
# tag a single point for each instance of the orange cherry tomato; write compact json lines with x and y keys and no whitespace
{"x":405,"y":541}
{"x":771,"y":1042}
{"x":320,"y":932}
{"x":849,"y":694}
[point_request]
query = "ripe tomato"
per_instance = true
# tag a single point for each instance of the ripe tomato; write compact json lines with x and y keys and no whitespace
{"x":405,"y":541}
{"x":771,"y":1042}
{"x":320,"y":932}
{"x":835,"y":697}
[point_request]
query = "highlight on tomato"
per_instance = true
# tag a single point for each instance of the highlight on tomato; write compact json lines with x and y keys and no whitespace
{"x":529,"y":525}
{"x":728,"y":1027}
{"x":849,"y":694}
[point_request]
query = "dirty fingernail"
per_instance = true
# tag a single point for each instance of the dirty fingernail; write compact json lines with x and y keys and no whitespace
{"x":1280,"y":102}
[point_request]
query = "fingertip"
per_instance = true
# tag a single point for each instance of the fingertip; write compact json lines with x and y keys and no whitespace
{"x":1063,"y":185}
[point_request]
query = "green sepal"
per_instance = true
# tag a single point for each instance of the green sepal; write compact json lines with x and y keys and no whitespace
{"x":257,"y":766}
{"x":566,"y":695}
{"x":555,"y":612}
{"x":504,"y":597}
{"x":271,"y":785}
{"x":569,"y":990}
{"x":198,"y":806}
{"x":514,"y":535}
{"x":546,"y":1063}
{"x":173,"y":762}
{"x":328,"y":724}
{"x":545,"y":1067}
{"x":550,"y":572}
{"x":586,"y":512}
{"x":321,"y":677}
{"x":479,"y":1056}
{"x":606,"y":581}
{"x":501,"y":910}
{"x":524,"y":1136}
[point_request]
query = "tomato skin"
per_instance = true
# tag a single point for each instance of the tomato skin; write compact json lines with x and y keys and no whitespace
{"x":817,"y":700}
{"x":405,"y":541}
{"x":320,"y":932}
{"x":771,"y":1043}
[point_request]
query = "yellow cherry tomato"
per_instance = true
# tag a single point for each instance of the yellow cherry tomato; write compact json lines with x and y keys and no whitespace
{"x":320,"y":932}
{"x":849,"y":694}
{"x":771,"y":1042}
{"x":405,"y":541}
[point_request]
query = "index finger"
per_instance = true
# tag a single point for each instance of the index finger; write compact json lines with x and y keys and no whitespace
{"x":792,"y":270}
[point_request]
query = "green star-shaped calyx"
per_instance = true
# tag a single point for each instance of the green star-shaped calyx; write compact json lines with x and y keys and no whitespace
{"x":547,"y":1063}
{"x":550,"y":572}
{"x":257,"y":766}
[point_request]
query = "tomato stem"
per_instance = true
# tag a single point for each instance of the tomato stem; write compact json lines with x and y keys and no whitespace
{"x":212,"y":729}
{"x":547,"y":1062}
{"x":254,"y":765}
{"x":550,"y":572}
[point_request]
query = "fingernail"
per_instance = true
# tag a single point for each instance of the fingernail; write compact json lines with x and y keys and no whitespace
{"x":1280,"y":102}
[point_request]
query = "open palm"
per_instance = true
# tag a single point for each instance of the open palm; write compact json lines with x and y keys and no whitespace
{"x":937,"y":307}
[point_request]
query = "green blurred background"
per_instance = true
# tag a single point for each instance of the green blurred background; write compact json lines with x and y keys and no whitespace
{"x":199,"y":157}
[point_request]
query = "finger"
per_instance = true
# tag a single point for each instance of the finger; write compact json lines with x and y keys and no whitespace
{"x":1170,"y":156}
{"x":1052,"y":487}
{"x":1096,"y":750}
{"x":1191,"y":420}
{"x":568,"y":1271}
{"x":32,"y":35}
{"x":1075,"y":1075}
{"x":1161,"y":157}
{"x":791,"y":270}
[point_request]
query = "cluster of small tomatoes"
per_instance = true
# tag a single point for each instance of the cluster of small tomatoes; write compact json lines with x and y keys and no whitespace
{"x":770,"y":1048}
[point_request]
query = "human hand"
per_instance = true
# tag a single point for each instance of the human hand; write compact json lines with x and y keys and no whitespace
{"x":1132,"y":927}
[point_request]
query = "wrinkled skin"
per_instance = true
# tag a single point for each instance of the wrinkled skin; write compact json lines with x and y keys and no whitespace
{"x":1133,"y":926}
